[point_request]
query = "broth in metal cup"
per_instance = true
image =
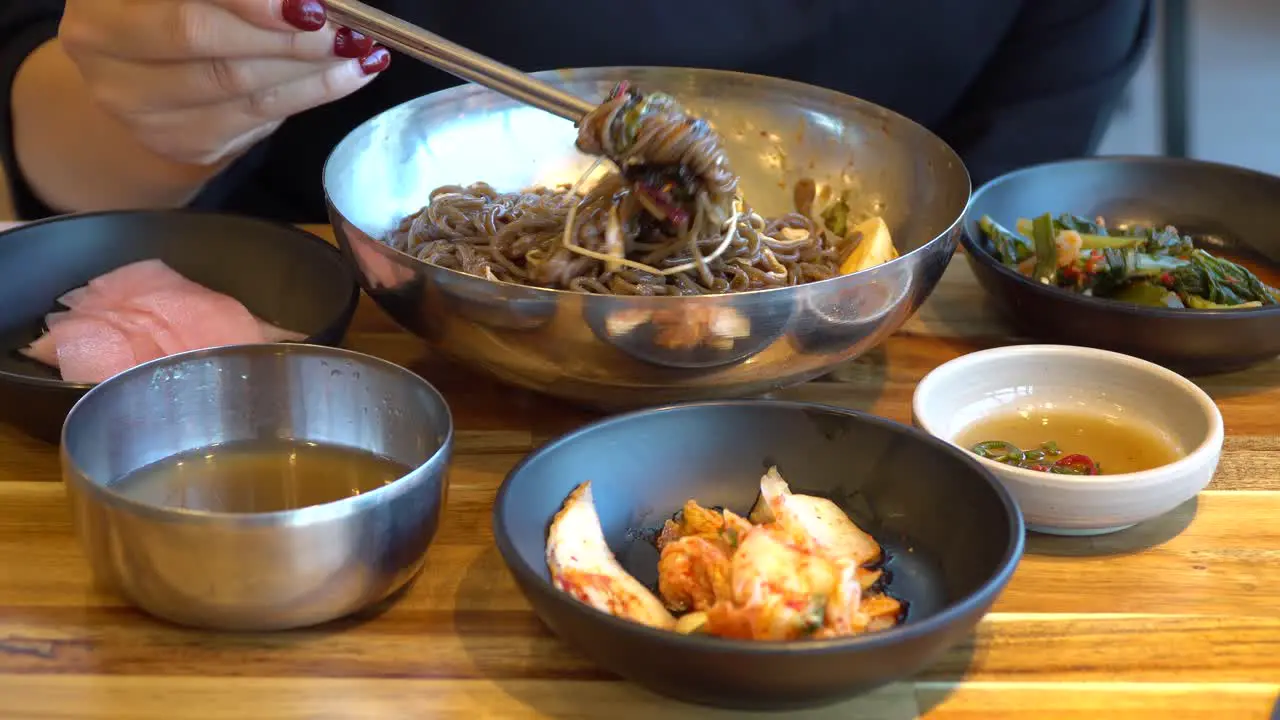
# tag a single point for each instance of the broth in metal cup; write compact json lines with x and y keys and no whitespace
{"x":258,"y":487}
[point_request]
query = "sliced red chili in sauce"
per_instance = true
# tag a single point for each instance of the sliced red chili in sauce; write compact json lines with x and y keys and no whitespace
{"x":1076,"y":464}
{"x":1045,"y":458}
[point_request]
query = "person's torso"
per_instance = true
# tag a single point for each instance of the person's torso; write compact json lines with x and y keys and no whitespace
{"x":916,"y":57}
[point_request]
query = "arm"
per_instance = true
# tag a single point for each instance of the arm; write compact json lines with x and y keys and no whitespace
{"x":59,"y":151}
{"x":1050,"y":87}
{"x":68,"y":155}
{"x":142,"y":104}
{"x":24,"y":25}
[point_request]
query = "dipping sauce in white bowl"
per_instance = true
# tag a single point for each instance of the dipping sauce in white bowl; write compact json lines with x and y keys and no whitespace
{"x":1068,"y":441}
{"x":1096,"y":441}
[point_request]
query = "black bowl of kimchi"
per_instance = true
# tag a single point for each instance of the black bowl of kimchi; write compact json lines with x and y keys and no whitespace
{"x":949,"y":537}
{"x":1160,"y":278}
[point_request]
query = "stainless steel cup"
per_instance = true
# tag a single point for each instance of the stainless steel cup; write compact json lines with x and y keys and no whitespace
{"x":257,"y":571}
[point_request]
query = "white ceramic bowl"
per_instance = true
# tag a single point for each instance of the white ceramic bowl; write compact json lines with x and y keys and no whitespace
{"x":1008,"y":379}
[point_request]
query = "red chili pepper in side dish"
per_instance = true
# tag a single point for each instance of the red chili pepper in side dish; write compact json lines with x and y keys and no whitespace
{"x":1075,"y":465}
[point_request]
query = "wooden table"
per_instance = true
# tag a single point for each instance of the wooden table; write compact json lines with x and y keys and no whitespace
{"x":1176,"y":618}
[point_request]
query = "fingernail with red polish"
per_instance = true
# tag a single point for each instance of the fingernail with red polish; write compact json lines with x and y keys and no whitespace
{"x":350,"y":44}
{"x":304,"y":14}
{"x":376,"y":61}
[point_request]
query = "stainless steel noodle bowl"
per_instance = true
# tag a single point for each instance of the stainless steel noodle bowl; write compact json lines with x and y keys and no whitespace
{"x":607,"y":333}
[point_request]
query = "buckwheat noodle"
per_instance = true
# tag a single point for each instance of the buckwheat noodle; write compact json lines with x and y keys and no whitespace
{"x":670,"y":222}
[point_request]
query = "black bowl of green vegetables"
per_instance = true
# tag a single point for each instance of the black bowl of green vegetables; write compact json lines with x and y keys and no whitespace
{"x":1171,"y":260}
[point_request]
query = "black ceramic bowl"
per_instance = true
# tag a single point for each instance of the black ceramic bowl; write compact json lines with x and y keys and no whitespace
{"x":1230,"y":208}
{"x":283,"y":275}
{"x":953,"y":535}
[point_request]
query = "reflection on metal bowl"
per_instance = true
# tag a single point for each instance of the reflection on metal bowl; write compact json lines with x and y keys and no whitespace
{"x":776,"y":133}
{"x":701,"y":332}
{"x":864,"y":315}
{"x":499,"y":306}
{"x":376,"y":264}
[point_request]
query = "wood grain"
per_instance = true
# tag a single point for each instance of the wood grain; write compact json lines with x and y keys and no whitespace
{"x":1218,"y":556}
{"x":1176,"y":617}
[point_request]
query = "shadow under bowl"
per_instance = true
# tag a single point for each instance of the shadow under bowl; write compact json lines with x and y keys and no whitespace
{"x":283,"y":275}
{"x":267,"y":570}
{"x":1228,"y":209}
{"x":951,"y":531}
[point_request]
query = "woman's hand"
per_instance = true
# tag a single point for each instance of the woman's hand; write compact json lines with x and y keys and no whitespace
{"x":200,"y":81}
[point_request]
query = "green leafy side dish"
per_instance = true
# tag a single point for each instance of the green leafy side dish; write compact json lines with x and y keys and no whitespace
{"x":1141,"y":265}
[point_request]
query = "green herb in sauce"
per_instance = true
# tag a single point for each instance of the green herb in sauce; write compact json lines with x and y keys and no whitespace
{"x":1048,"y":457}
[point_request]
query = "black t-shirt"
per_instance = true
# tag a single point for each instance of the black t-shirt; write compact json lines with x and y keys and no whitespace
{"x":1006,"y":82}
